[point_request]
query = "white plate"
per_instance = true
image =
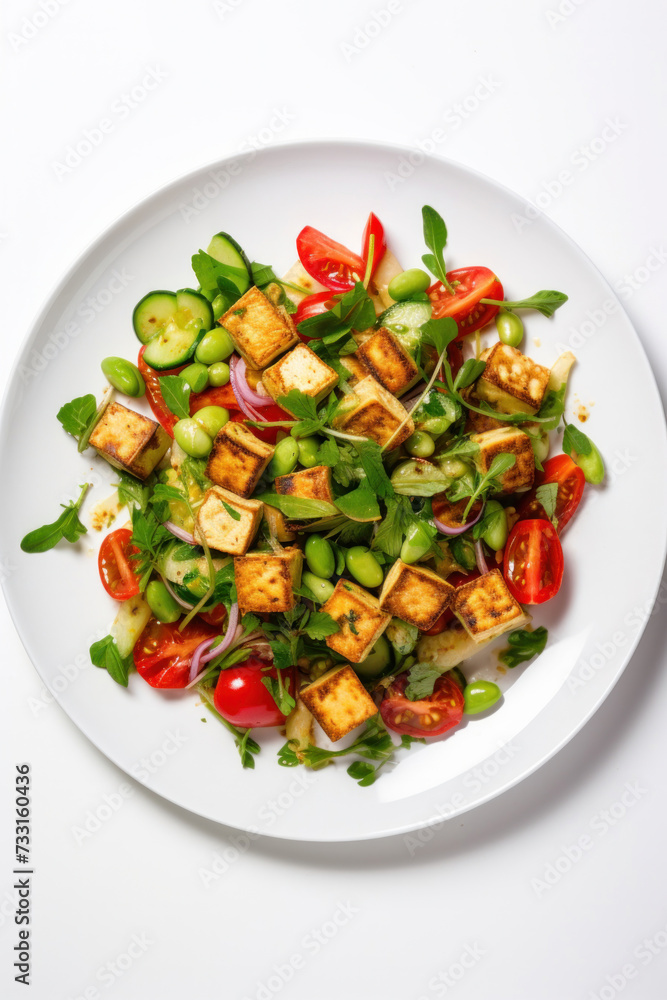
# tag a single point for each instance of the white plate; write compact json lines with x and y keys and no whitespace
{"x":613,"y":556}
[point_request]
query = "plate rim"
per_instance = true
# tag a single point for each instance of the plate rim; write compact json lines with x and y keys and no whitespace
{"x":143,"y":203}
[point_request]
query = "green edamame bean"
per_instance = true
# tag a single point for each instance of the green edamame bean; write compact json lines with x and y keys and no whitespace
{"x":192,"y":438}
{"x":420,"y":444}
{"x":509,"y":327}
{"x":216,"y":345}
{"x":417,"y":543}
{"x":211,"y":419}
{"x":124,"y":376}
{"x":161,"y":603}
{"x":220,"y":305}
{"x":196,"y":375}
{"x":540,"y":447}
{"x":592,"y":465}
{"x":408,"y":283}
{"x":320,"y":556}
{"x":322,"y":589}
{"x":363,"y":566}
{"x":308,"y":448}
{"x":480,"y":695}
{"x":218,"y":374}
{"x":377,"y":660}
{"x":495,"y":530}
{"x":284,"y":458}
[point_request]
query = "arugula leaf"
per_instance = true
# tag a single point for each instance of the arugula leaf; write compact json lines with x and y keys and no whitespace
{"x":490,"y":480}
{"x":468,"y":373}
{"x":176,"y":394}
{"x":547,"y":495}
{"x":576,"y":441}
{"x":320,"y":624}
{"x":360,"y":505}
{"x":460,"y":446}
{"x":132,"y":492}
{"x":234,"y":514}
{"x":545,"y":302}
{"x":67,"y":526}
{"x":250,"y":623}
{"x":245,"y":745}
{"x":195,"y":469}
{"x":280,"y":695}
{"x":328,"y":453}
{"x":213,"y":275}
{"x":523,"y":646}
{"x":76,"y":415}
{"x":354,"y":310}
{"x":421,"y":681}
{"x":296,"y":508}
{"x":435,"y":238}
{"x":105,"y":654}
{"x":439,"y":333}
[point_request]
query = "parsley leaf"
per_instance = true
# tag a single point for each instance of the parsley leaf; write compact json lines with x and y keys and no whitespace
{"x":132,"y":492}
{"x":304,"y":409}
{"x":370,"y":456}
{"x":523,"y":646}
{"x":176,"y":394}
{"x":320,"y":624}
{"x":421,"y":681}
{"x":67,"y":526}
{"x":390,"y":533}
{"x":105,"y":654}
{"x":150,"y":537}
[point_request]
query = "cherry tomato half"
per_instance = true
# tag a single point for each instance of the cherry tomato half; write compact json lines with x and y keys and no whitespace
{"x":115,"y":565}
{"x":570,"y":479}
{"x":163,"y":654}
{"x":472,"y":284}
{"x":216,"y":616}
{"x":328,"y":262}
{"x":375,"y":229}
{"x":161,"y":411}
{"x":533,"y":564}
{"x":431,"y":716}
{"x":313,"y":305}
{"x":242,"y":699}
{"x":222,"y":395}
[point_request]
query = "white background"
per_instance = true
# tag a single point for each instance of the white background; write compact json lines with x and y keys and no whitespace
{"x":520,"y":91}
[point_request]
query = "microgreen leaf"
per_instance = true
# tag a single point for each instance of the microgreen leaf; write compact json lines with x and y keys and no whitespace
{"x":67,"y":526}
{"x":545,"y":302}
{"x":523,"y":646}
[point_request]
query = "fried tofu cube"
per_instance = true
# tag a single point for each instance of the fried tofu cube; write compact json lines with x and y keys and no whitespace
{"x":300,"y":369}
{"x":372,"y":412}
{"x":415,"y":594}
{"x":265,"y":581}
{"x":387,"y":360}
{"x":360,"y":619}
{"x":218,"y":525}
{"x":129,"y":441}
{"x":486,"y":608}
{"x":512,"y":382}
{"x":356,"y":368}
{"x":238,"y":459}
{"x":260,"y":330}
{"x":507,"y":441}
{"x":339,"y":702}
{"x":312,"y":484}
{"x":277,"y":524}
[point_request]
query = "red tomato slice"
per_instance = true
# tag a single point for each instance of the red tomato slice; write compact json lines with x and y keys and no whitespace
{"x":375,"y":229}
{"x":533,"y":564}
{"x":242,"y":699}
{"x":472,"y":284}
{"x":313,"y":305}
{"x":161,"y":411}
{"x":216,"y":616}
{"x":115,"y":565}
{"x":163,"y":654}
{"x":328,"y":262}
{"x":571,"y":481}
{"x":431,"y":716}
{"x":222,"y":395}
{"x":456,"y":580}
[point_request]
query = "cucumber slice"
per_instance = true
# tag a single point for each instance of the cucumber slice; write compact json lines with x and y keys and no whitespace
{"x":173,"y":346}
{"x":226,"y":250}
{"x":192,"y":305}
{"x":405,"y":320}
{"x":152,"y":313}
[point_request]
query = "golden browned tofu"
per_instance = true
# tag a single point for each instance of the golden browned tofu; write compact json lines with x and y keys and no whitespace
{"x":313,"y":484}
{"x":265,"y":581}
{"x":339,"y":702}
{"x":360,"y":619}
{"x":372,"y":412}
{"x":507,"y":441}
{"x":486,"y":608}
{"x":299,"y":369}
{"x":129,"y":441}
{"x":260,"y":330}
{"x":388,"y":361}
{"x":238,"y":459}
{"x":277,"y":524}
{"x":228,"y":522}
{"x":415,"y":594}
{"x":356,"y":368}
{"x":512,"y":382}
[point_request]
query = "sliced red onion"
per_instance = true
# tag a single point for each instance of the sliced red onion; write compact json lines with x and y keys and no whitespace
{"x":181,"y":533}
{"x":197,"y":657}
{"x":250,"y":412}
{"x":479,"y":555}
{"x":203,"y":654}
{"x":446,"y":529}
{"x":245,"y":396}
{"x":183,"y":604}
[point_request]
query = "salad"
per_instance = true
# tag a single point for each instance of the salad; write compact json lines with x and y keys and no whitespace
{"x":339,"y":497}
